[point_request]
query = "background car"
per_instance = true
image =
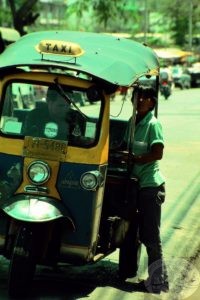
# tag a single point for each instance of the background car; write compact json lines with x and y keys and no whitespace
{"x":195,"y":74}
{"x":181,"y":77}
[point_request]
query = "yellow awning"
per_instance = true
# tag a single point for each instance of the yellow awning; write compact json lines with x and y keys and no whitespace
{"x":170,"y":53}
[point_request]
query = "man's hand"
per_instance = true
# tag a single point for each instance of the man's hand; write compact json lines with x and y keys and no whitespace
{"x":121,"y":157}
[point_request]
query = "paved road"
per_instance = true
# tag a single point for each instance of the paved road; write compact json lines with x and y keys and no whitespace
{"x":180,"y":116}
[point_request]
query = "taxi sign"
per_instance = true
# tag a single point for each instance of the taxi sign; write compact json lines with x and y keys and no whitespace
{"x":60,"y":48}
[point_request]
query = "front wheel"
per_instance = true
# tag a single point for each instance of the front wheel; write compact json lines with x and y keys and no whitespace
{"x":22,"y":264}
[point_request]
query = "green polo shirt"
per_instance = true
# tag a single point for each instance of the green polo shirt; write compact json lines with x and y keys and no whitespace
{"x":147,"y":132}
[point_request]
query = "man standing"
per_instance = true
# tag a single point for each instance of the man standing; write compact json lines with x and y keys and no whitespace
{"x":146,"y":150}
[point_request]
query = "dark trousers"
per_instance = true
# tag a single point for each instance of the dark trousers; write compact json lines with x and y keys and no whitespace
{"x":144,"y":228}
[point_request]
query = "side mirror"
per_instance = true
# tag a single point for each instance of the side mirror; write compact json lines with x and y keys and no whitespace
{"x":93,"y":94}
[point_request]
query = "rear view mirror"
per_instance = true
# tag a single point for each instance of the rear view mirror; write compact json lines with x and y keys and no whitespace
{"x":93,"y":94}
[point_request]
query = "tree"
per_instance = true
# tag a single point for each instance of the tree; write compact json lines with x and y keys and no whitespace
{"x":179,"y":12}
{"x":134,"y":16}
{"x":179,"y":18}
{"x":5,"y":16}
{"x":103,"y":13}
{"x":24,"y":15}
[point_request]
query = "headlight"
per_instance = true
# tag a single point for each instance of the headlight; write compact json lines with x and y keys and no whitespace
{"x":38,"y":172}
{"x":91,"y":180}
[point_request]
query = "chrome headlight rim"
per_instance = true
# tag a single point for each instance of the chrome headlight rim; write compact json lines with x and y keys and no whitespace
{"x":44,"y":167}
{"x":90,"y":180}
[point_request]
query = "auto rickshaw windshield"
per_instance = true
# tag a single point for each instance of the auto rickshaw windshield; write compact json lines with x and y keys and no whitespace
{"x":37,"y":110}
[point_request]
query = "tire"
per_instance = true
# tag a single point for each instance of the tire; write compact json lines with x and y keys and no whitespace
{"x":166,"y":96}
{"x":187,"y":85}
{"x":166,"y":93}
{"x":22,"y":263}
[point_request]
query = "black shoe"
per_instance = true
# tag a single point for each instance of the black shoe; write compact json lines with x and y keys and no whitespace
{"x":124,"y":276}
{"x":147,"y":287}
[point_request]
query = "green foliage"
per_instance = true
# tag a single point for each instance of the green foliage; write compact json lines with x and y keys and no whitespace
{"x":5,"y":17}
{"x":179,"y":12}
{"x":130,"y":16}
{"x":107,"y":15}
{"x":78,"y":8}
{"x":180,"y":34}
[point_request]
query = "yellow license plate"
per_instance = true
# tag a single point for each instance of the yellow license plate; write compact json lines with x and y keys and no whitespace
{"x":42,"y":148}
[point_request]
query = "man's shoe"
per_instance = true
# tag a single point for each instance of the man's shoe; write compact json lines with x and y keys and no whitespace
{"x":123,"y":277}
{"x":147,"y":287}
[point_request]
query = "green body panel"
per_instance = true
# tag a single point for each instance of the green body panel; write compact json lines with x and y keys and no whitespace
{"x":118,"y":61}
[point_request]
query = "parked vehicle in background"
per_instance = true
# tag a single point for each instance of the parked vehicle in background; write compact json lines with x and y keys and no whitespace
{"x":181,"y":77}
{"x":165,"y":83}
{"x":195,"y":74}
{"x":165,"y":89}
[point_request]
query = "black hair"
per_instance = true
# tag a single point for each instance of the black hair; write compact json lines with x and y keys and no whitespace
{"x":147,"y":92}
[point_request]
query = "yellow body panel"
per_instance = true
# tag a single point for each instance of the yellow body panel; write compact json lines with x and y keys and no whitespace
{"x":45,"y":77}
{"x":54,"y":165}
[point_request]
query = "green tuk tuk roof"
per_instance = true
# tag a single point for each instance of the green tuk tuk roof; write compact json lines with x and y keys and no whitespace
{"x":116,"y":60}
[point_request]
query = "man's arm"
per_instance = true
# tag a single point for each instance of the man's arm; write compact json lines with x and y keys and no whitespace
{"x":156,"y":153}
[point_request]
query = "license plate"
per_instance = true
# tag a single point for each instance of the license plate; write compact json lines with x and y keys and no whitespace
{"x":45,"y":148}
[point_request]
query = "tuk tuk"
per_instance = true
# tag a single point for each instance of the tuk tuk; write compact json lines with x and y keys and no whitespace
{"x":62,"y":199}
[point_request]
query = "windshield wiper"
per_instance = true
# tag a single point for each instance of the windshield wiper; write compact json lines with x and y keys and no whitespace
{"x":68,"y":99}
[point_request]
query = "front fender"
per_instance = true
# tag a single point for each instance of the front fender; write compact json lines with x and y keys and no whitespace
{"x":36,"y":209}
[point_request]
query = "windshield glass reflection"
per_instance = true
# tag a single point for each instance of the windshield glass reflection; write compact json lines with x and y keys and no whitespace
{"x":51,"y":112}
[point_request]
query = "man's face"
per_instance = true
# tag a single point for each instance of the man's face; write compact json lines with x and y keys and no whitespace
{"x":144,"y":104}
{"x":58,"y":108}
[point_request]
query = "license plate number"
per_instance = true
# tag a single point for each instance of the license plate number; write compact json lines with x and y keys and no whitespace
{"x":45,"y":148}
